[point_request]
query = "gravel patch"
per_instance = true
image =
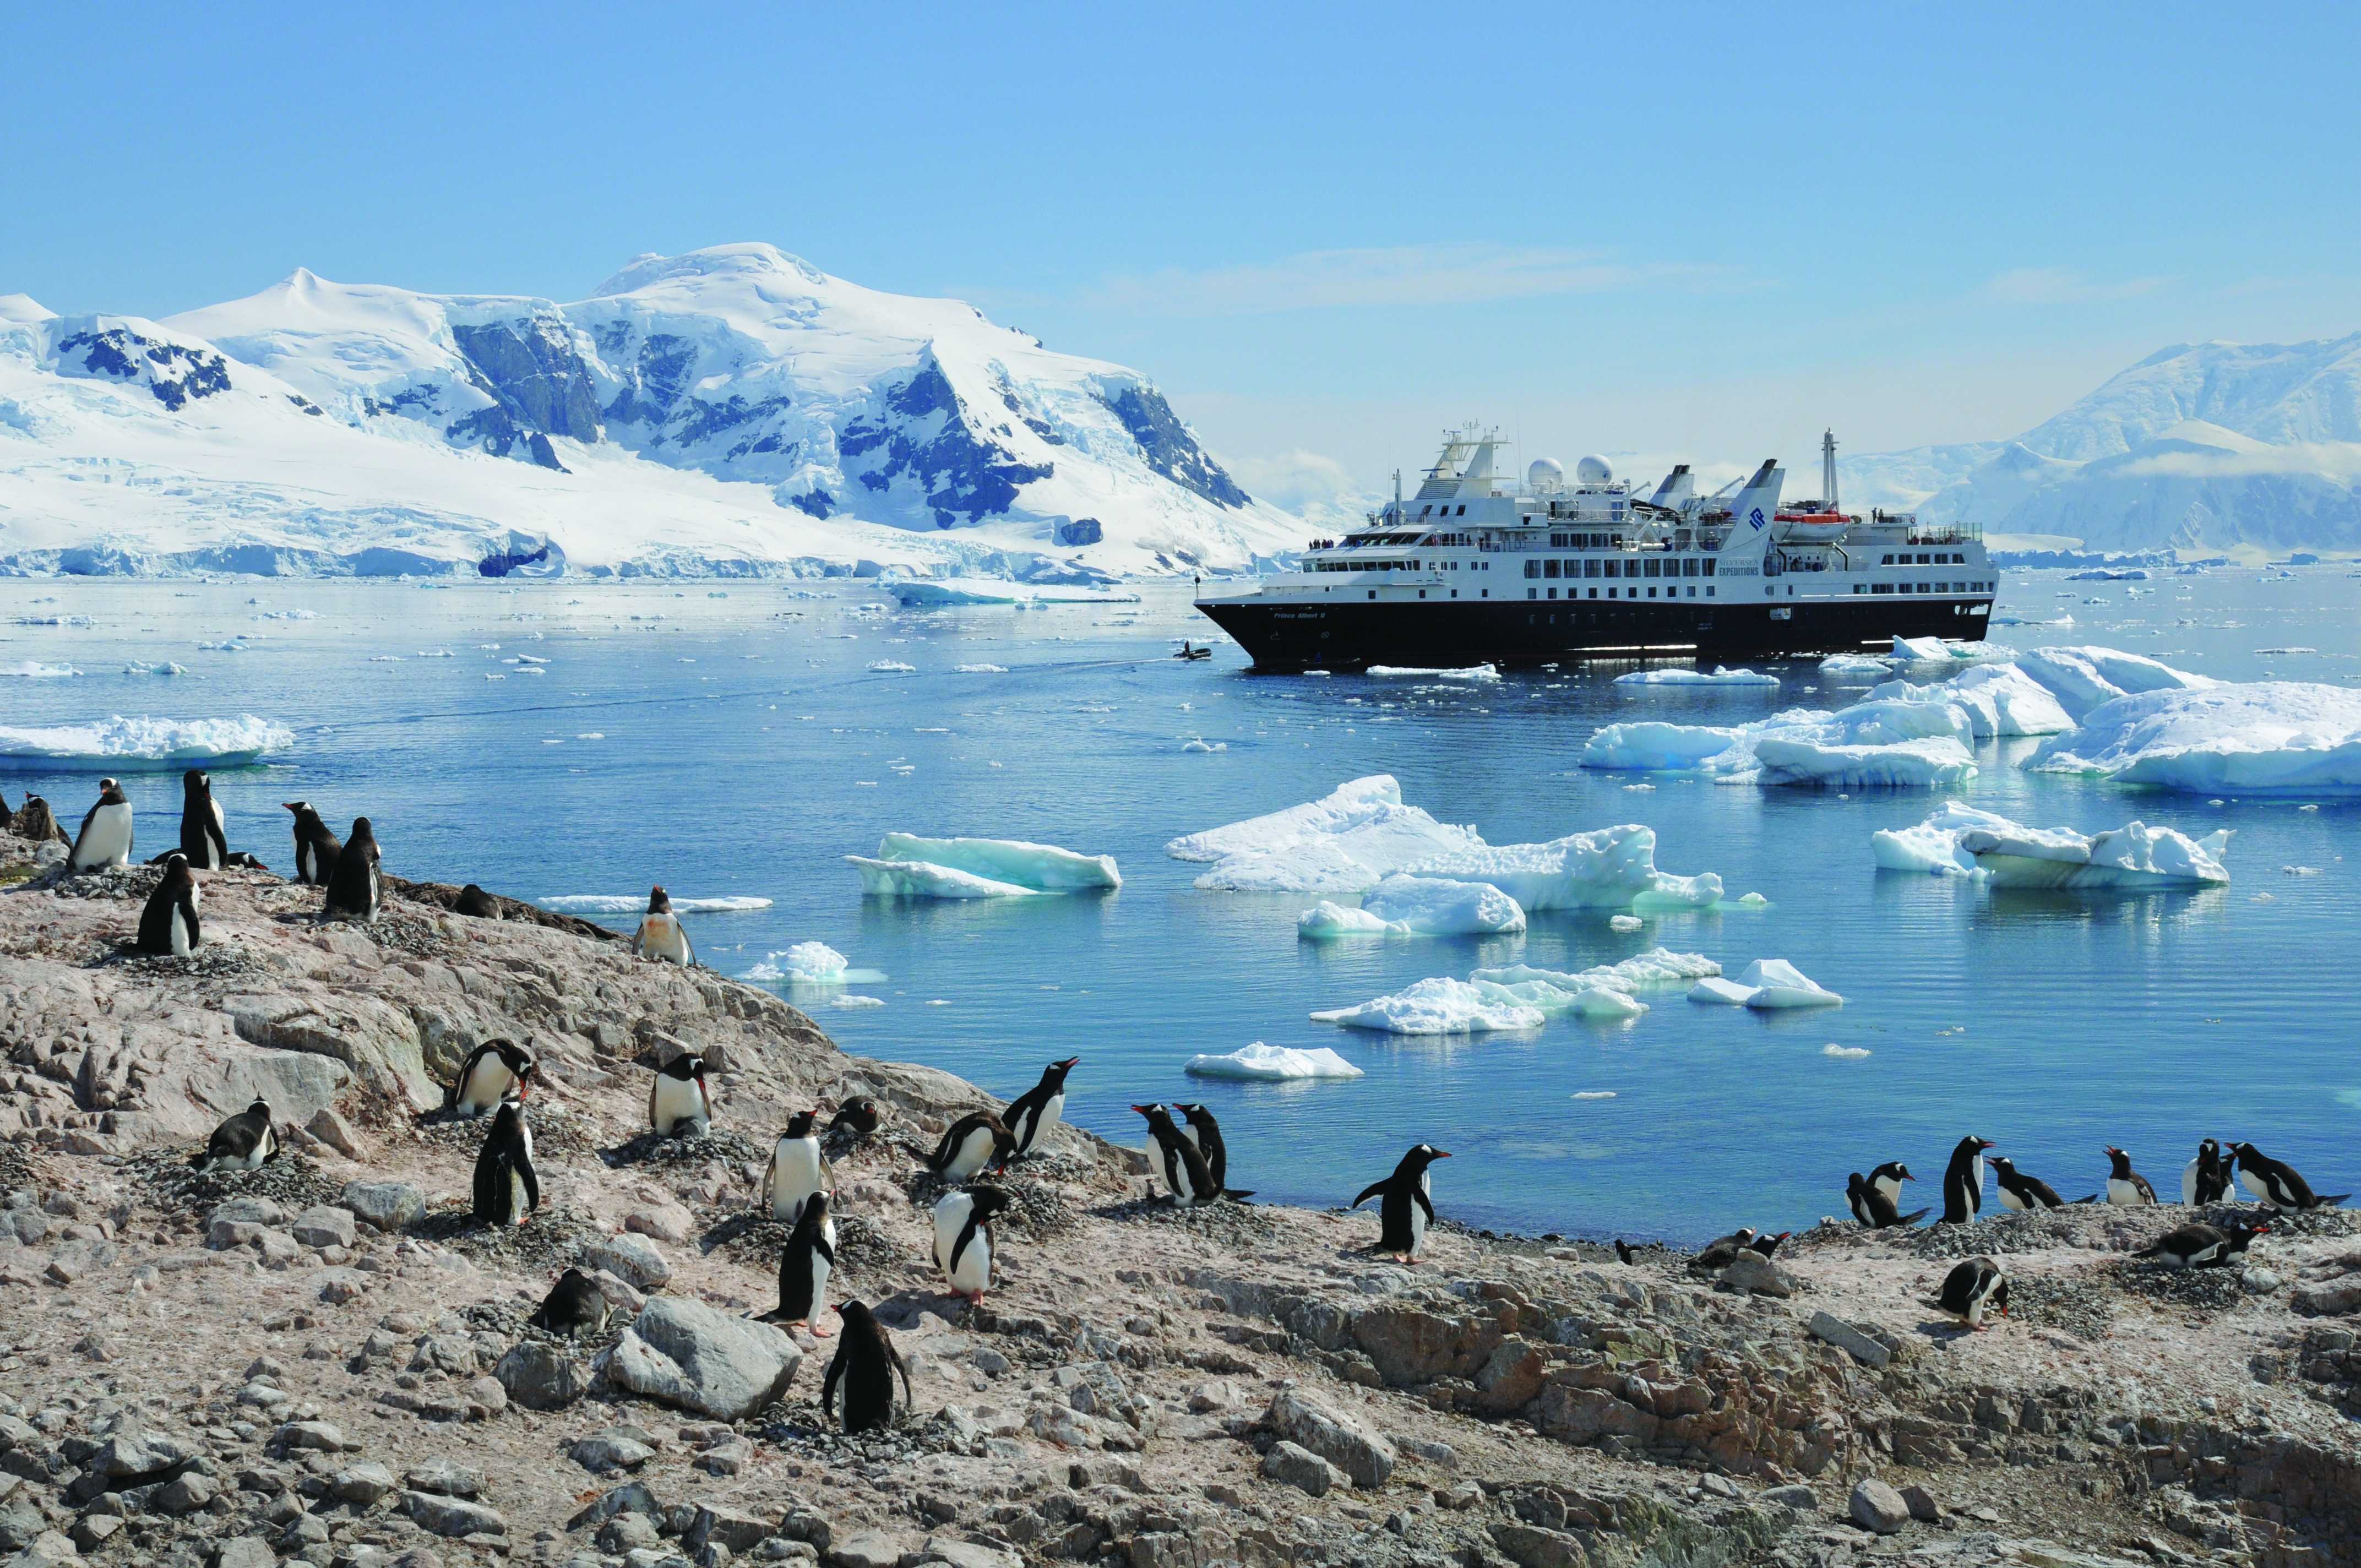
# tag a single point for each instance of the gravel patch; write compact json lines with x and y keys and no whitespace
{"x":651,"y":1148}
{"x":552,"y":1239}
{"x":175,"y":1186}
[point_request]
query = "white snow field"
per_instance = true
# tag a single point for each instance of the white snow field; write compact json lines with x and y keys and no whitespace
{"x":732,"y":410}
{"x":1768,"y":984}
{"x":2260,"y":738}
{"x":1272,"y":1063}
{"x":117,"y":744}
{"x":1416,"y":906}
{"x":907,"y":866}
{"x":1438,"y":1006}
{"x":1720,"y":677}
{"x":937,"y":592}
{"x":634,"y":903}
{"x":1960,"y":840}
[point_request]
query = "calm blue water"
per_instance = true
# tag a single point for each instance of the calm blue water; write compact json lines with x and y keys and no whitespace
{"x":746,"y":747}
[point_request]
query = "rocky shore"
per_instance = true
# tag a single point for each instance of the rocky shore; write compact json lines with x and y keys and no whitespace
{"x":322,"y":1361}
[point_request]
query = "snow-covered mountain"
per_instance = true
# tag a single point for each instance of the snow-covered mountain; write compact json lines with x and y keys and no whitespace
{"x":2202,"y":446}
{"x":730,"y":410}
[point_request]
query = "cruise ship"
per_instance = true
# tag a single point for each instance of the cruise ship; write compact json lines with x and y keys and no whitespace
{"x":1476,"y":569}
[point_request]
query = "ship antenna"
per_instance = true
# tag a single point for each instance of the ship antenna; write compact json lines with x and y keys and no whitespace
{"x":1828,"y":469}
{"x":1398,"y":502}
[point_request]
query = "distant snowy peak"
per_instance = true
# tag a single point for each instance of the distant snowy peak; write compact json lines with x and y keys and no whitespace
{"x":128,"y":351}
{"x":2276,"y":393}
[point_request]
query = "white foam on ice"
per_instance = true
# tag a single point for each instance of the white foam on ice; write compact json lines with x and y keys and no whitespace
{"x":907,"y":866}
{"x":1768,"y":984}
{"x":1720,"y":676}
{"x":1417,"y":907}
{"x":1272,"y":1063}
{"x":1437,"y":1006}
{"x":120,"y":743}
{"x":634,"y":903}
{"x":2260,"y":738}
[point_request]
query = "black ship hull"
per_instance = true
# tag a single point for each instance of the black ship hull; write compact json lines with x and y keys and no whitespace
{"x":1284,"y":637}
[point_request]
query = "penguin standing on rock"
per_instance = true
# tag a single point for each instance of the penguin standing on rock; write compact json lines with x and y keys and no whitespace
{"x":317,"y":849}
{"x":1201,"y":1130}
{"x":1406,"y":1206}
{"x":1031,"y":1114}
{"x":2124,"y":1185}
{"x":2278,"y":1183}
{"x":2206,"y":1179}
{"x":508,"y":1188}
{"x":963,"y":1238}
{"x":105,"y":836}
{"x":491,"y":1073}
{"x":475,"y":903}
{"x":865,"y":1363}
{"x":660,"y":936}
{"x":574,"y":1305}
{"x":2203,"y":1246}
{"x":247,"y":1140}
{"x":2018,"y":1191}
{"x":202,"y":836}
{"x":1178,"y":1160}
{"x":168,"y":926}
{"x":804,"y":1264}
{"x":354,"y":888}
{"x":1963,"y":1181}
{"x":1972,"y":1288}
{"x":798,"y":1169}
{"x":678,"y":1101}
{"x":969,"y":1144}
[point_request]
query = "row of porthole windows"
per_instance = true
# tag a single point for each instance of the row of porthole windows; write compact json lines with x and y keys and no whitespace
{"x":1642,"y":566}
{"x":1627,"y":593}
{"x":1940,"y":558}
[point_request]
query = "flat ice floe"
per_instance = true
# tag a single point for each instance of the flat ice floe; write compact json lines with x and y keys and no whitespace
{"x":1846,"y":666}
{"x":1348,"y":841}
{"x":1466,"y":673}
{"x":1904,"y":743}
{"x":941,"y":592}
{"x":1999,"y":700}
{"x":811,"y":963}
{"x":119,"y":743}
{"x":635,"y":903}
{"x":1416,"y":906}
{"x":34,"y":670}
{"x":1605,"y":991}
{"x":2260,"y":738}
{"x":1767,"y":984}
{"x":1720,"y":677}
{"x":1273,"y":1064}
{"x":907,"y":866}
{"x":1936,"y":650}
{"x":2083,"y":678}
{"x":1438,"y":1006}
{"x":1961,"y":840}
{"x":1610,"y":868}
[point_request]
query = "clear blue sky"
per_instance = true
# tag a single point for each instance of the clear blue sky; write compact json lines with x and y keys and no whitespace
{"x":1703,"y":230}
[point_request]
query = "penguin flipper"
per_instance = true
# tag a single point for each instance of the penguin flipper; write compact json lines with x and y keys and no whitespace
{"x":2329,"y":1200}
{"x":1369,"y":1192}
{"x":819,"y":1245}
{"x":1237,"y":1195}
{"x":531,"y":1188}
{"x":1913,"y":1217}
{"x":1424,"y":1203}
{"x":828,"y":1387}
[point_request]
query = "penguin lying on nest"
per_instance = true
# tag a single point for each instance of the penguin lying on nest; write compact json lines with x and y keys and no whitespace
{"x":1972,"y":1288}
{"x":2278,"y":1184}
{"x":2203,"y":1246}
{"x":574,"y":1305}
{"x":247,"y":1140}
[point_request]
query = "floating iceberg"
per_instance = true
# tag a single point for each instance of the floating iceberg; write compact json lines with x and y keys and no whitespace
{"x":1904,"y":743}
{"x":1933,"y":846}
{"x":1437,"y":1006}
{"x":137,"y":667}
{"x":2260,"y":738}
{"x":1469,"y":672}
{"x":635,"y":903}
{"x":892,"y":667}
{"x":1608,"y":991}
{"x":1678,"y":677}
{"x":33,"y":670}
{"x":978,"y":669}
{"x":1844,"y":1053}
{"x":117,"y":744}
{"x":1417,"y":907}
{"x":1348,"y":841}
{"x":2083,"y":678}
{"x":1936,"y":650}
{"x":1999,"y":699}
{"x":1611,"y":867}
{"x":907,"y":866}
{"x":812,"y":963}
{"x":2135,"y":855}
{"x":1273,"y":1064}
{"x":1842,"y":667}
{"x":1770,"y":985}
{"x":936,"y":592}
{"x":1933,"y":762}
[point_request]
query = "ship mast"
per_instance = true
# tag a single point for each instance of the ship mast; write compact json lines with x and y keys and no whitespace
{"x":1828,"y":470}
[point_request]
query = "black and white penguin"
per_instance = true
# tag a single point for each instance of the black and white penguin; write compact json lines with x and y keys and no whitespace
{"x":963,"y":1237}
{"x":1963,"y":1181}
{"x":1888,"y":1178}
{"x":854,"y":1119}
{"x":1031,"y":1114}
{"x":169,"y":925}
{"x":799,"y":1168}
{"x":1769,"y":1246}
{"x":2206,"y":1179}
{"x":2277,"y":1183}
{"x":1975,"y":1286}
{"x":475,"y":903}
{"x":865,"y":1363}
{"x":678,"y":1101}
{"x":660,"y":936}
{"x":245,"y":1142}
{"x":804,"y":1264}
{"x":2203,"y":1246}
{"x":974,"y":1141}
{"x":202,"y":837}
{"x":1723,"y":1251}
{"x":36,"y":821}
{"x":1407,"y":1208}
{"x":1200,"y":1128}
{"x":2125,"y":1185}
{"x":1624,"y":1252}
{"x":1872,"y":1208}
{"x":1178,"y":1160}
{"x":574,"y":1305}
{"x":2018,"y":1191}
{"x":354,"y":890}
{"x":105,"y":836}
{"x":491,"y":1073}
{"x":317,"y":848}
{"x":508,"y":1188}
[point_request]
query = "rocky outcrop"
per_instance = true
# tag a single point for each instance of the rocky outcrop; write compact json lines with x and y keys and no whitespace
{"x":686,"y":1355}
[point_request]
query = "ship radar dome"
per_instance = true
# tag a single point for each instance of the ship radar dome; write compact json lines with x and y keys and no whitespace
{"x":1546,"y":474}
{"x":1593,"y":470}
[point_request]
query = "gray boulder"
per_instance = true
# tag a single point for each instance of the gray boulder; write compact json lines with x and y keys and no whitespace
{"x":695,"y":1358}
{"x":1340,"y":1439}
{"x":633,"y":1258}
{"x":453,"y":1517}
{"x":1878,"y":1507}
{"x":385,"y":1205}
{"x":1293,"y":1465}
{"x":1757,"y":1274}
{"x":540,"y":1377}
{"x":324,"y":1226}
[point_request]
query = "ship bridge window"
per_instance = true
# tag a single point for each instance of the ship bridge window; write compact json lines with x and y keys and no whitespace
{"x":1887,"y":562}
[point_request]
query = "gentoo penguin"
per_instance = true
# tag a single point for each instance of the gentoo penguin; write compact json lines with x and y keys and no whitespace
{"x":168,"y":923}
{"x":244,"y":1142}
{"x":2125,"y":1185}
{"x":2277,"y":1183}
{"x":475,"y":902}
{"x":316,"y":847}
{"x":1407,"y":1208}
{"x":202,"y":838}
{"x":36,"y":821}
{"x":854,"y":1119}
{"x":1963,"y":1181}
{"x":963,"y":1237}
{"x":1720,"y":1253}
{"x":1178,"y":1160}
{"x":804,"y":1264}
{"x":678,"y":1100}
{"x":660,"y":936}
{"x":491,"y":1070}
{"x":508,"y":1190}
{"x":1872,"y":1208}
{"x":1888,"y":1178}
{"x":2203,"y":1246}
{"x":353,"y":887}
{"x":1972,"y":1288}
{"x":1201,"y":1130}
{"x":797,"y":1167}
{"x":574,"y":1305}
{"x":974,"y":1141}
{"x":1031,"y":1114}
{"x":2019,"y":1192}
{"x":105,"y":836}
{"x":865,"y":1362}
{"x":1623,"y":1252}
{"x":2206,"y":1179}
{"x":1769,"y":1246}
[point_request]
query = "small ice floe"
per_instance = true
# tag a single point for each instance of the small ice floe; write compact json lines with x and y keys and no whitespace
{"x":1845,"y":1053}
{"x":1592,"y":1094}
{"x":1750,"y":901}
{"x":854,"y":998}
{"x":634,"y":903}
{"x":226,"y":645}
{"x":591,"y":735}
{"x":139,"y":667}
{"x":1852,"y":666}
{"x":1624,"y":922}
{"x":1466,"y":673}
{"x":892,"y":667}
{"x":810,"y":963}
{"x":1416,"y":906}
{"x":1720,"y":676}
{"x":1272,"y":1063}
{"x":1768,"y":984}
{"x":73,"y":620}
{"x":1437,"y":1006}
{"x":944,"y":591}
{"x":34,"y":670}
{"x":1200,"y":744}
{"x":2261,"y":737}
{"x":978,"y":669}
{"x":2301,"y":871}
{"x":116,"y":743}
{"x":907,"y":866}
{"x":385,"y":658}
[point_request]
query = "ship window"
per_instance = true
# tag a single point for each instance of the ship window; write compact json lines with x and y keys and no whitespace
{"x":1888,"y":561}
{"x":1461,"y":512}
{"x":1860,"y":588}
{"x":1922,"y":560}
{"x":1689,"y":565}
{"x":1768,"y":590}
{"x":1551,"y":593}
{"x":1533,"y":568}
{"x":1590,"y":567}
{"x":1692,"y":590}
{"x":1708,"y":569}
{"x":1594,"y":593}
{"x":1373,"y":593}
{"x":1422,"y":593}
{"x":1614,"y":568}
{"x":1652,"y":593}
{"x":1533,"y":593}
{"x":1549,"y":568}
{"x":1925,"y":587}
{"x":1880,"y":588}
{"x":1709,"y":593}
